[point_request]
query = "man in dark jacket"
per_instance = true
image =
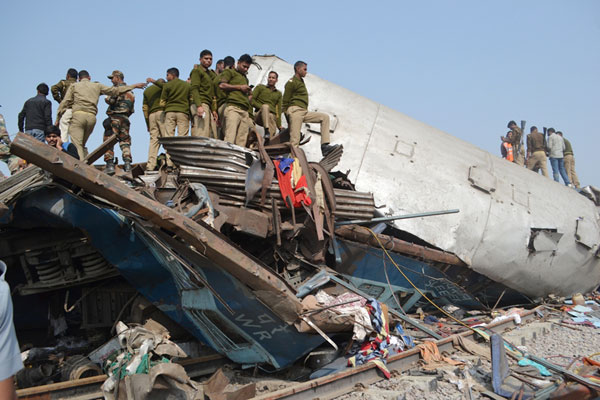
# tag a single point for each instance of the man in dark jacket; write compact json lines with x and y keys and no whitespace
{"x":36,"y":115}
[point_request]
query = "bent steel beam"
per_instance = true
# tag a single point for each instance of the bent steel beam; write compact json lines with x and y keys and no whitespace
{"x":203,"y":238}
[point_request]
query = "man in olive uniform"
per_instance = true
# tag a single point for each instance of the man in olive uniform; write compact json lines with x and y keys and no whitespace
{"x":235,"y":83}
{"x":295,"y":106}
{"x":569,"y":161}
{"x":202,"y":89}
{"x":58,"y":93}
{"x":536,"y":152}
{"x":221,"y":96}
{"x":175,"y":98}
{"x":120,"y":107}
{"x":515,"y":140}
{"x":267,"y":102}
{"x":83,"y":97}
{"x":152,"y":111}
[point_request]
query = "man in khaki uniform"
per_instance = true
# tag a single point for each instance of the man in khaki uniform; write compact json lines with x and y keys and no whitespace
{"x":536,"y":152}
{"x":235,"y":83}
{"x":58,"y":93}
{"x":515,"y":140}
{"x":82,"y":98}
{"x":152,"y":111}
{"x":569,"y":161}
{"x":267,"y":102}
{"x":295,"y":106}
{"x":202,"y":90}
{"x":175,"y":98}
{"x":220,"y":98}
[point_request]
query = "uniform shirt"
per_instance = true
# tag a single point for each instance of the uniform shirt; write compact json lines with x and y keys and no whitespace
{"x":556,"y":146}
{"x":568,"y":147}
{"x":83,"y":96}
{"x":262,"y":94}
{"x":516,"y":136}
{"x":295,"y":94}
{"x":535,"y":142}
{"x":175,"y":96}
{"x":151,"y":101}
{"x":36,"y":113}
{"x":121,"y":104}
{"x":235,"y":97}
{"x":202,"y":88}
{"x":220,"y":94}
{"x":59,"y":90}
{"x":10,"y":355}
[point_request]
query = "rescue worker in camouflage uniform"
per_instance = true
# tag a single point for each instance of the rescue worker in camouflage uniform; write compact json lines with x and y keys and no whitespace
{"x":58,"y":93}
{"x":120,"y":107}
{"x":10,"y":159}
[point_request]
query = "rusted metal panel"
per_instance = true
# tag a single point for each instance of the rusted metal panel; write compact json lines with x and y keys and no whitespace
{"x":204,"y":239}
{"x":362,"y":235}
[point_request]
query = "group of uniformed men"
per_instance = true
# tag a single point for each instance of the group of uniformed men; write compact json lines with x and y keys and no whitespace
{"x":219,"y":104}
{"x":557,"y":148}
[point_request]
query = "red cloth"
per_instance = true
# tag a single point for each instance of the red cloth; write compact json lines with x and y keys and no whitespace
{"x":299,"y":194}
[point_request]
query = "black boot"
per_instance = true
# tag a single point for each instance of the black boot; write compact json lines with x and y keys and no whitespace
{"x":126,"y":166}
{"x":267,"y":136}
{"x":110,"y":167}
{"x":327,"y":148}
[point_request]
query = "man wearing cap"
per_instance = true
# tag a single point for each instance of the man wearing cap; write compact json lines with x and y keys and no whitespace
{"x":83,"y":97}
{"x":202,"y":90}
{"x":536,"y":153}
{"x":152,"y":111}
{"x":267,"y":102}
{"x":515,"y":140}
{"x":120,"y":107}
{"x":58,"y":93}
{"x":569,"y":160}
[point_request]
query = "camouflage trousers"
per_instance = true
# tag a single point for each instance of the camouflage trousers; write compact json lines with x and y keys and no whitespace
{"x":11,"y":160}
{"x":118,"y":125}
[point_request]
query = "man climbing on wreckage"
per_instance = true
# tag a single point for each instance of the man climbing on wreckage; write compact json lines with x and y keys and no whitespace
{"x":82,"y":97}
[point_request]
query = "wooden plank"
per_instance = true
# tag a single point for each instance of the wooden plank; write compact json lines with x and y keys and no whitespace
{"x":99,"y":152}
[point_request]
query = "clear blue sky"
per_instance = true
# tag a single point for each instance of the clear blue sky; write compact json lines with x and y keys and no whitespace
{"x":466,"y":67}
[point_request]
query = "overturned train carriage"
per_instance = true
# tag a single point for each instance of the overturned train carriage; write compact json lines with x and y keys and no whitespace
{"x":233,"y":267}
{"x":515,"y":227}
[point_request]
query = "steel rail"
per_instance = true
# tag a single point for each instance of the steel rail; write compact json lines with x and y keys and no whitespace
{"x":343,"y":382}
